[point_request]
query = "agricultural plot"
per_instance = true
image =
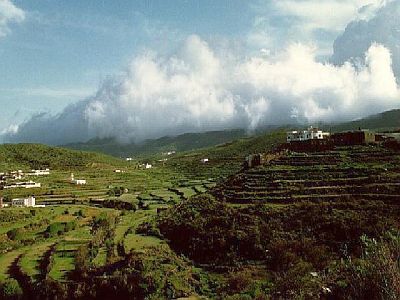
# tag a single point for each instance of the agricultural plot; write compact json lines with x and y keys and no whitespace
{"x":31,"y":259}
{"x":369,"y":173}
{"x":33,"y":238}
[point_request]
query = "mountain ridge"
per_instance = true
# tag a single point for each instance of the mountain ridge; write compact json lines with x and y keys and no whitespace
{"x":387,"y":120}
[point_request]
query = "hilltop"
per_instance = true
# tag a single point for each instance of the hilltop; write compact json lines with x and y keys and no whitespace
{"x":388,"y":120}
{"x":41,"y":156}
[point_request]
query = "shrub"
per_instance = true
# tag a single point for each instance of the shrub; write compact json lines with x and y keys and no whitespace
{"x":15,"y":234}
{"x":376,"y":275}
{"x":11,"y":289}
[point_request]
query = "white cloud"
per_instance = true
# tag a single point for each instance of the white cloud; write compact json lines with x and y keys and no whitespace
{"x":279,"y":23}
{"x":9,"y":13}
{"x":327,"y":14}
{"x":382,"y":28}
{"x":196,"y":90}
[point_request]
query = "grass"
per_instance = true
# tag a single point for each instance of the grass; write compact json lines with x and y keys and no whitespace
{"x":5,"y":262}
{"x":139,"y":242}
{"x":30,"y":260}
{"x":101,"y":258}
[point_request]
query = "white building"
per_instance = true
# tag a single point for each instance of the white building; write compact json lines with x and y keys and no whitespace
{"x":204,"y":160}
{"x":129,"y":159}
{"x":148,"y":166}
{"x":40,"y":172}
{"x":77,"y":181}
{"x":304,"y":135}
{"x":24,"y":202}
{"x":27,"y":185}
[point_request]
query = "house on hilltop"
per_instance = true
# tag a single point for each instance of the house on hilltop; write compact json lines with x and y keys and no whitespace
{"x":304,"y":135}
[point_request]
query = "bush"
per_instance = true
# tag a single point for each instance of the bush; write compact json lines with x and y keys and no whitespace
{"x":11,"y":289}
{"x":15,"y":234}
{"x":59,"y":228}
{"x":376,"y":275}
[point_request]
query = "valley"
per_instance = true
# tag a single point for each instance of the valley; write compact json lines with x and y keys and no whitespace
{"x":199,"y":223}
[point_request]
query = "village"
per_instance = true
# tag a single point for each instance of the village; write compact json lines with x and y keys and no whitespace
{"x":40,"y":187}
{"x":315,"y":140}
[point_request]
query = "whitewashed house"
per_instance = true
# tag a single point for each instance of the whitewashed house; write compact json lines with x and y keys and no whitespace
{"x":77,"y":181}
{"x":204,"y":160}
{"x":24,"y":202}
{"x":40,"y":172}
{"x":27,"y":185}
{"x":148,"y":166}
{"x":304,"y":135}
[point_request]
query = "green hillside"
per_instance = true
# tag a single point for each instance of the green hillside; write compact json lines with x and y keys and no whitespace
{"x":184,"y":142}
{"x":389,"y":120}
{"x":42,"y":156}
{"x":224,"y":159}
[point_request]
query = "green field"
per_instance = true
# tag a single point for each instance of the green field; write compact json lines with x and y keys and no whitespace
{"x":185,"y":229}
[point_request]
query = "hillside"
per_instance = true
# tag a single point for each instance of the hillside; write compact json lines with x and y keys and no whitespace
{"x":319,"y":225}
{"x":42,"y":156}
{"x":184,"y":142}
{"x":346,"y":173}
{"x":225,"y":159}
{"x":389,"y":120}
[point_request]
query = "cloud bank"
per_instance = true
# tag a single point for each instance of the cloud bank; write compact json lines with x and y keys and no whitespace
{"x":319,"y":22}
{"x":9,"y":13}
{"x":196,"y":90}
{"x":382,"y":28}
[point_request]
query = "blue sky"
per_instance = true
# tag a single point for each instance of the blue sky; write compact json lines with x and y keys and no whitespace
{"x":62,"y":50}
{"x":54,"y":53}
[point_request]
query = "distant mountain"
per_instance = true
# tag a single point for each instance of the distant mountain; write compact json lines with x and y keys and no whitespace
{"x":180,"y":143}
{"x":389,"y":120}
{"x":191,"y":141}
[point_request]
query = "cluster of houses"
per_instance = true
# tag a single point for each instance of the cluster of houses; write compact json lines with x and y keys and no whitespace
{"x":168,"y":153}
{"x":12,"y":176}
{"x":317,"y":140}
{"x":314,"y":139}
{"x":25,"y":184}
{"x":304,"y":135}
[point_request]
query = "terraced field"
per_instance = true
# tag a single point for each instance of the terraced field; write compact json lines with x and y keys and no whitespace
{"x":365,"y":172}
{"x":32,"y":255}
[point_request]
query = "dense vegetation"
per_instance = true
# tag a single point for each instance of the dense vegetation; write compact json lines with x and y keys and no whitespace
{"x":290,"y":245}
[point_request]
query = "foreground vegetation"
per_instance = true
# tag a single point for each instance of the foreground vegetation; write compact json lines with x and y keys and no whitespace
{"x":304,"y":226}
